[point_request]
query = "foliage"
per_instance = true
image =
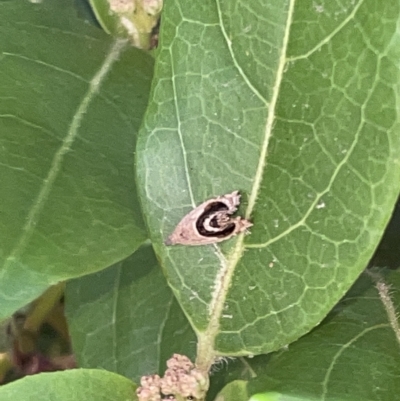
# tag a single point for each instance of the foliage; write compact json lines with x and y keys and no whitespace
{"x":104,"y":148}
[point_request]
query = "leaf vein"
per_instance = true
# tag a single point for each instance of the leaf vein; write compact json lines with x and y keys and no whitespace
{"x":235,"y":62}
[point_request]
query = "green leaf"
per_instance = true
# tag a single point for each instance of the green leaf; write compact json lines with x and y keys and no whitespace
{"x":352,"y":355}
{"x":70,"y":385}
{"x":295,"y":105}
{"x":125,"y":318}
{"x":72,"y":101}
{"x":234,"y":391}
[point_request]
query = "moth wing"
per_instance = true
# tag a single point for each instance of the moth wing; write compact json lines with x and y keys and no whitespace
{"x":185,"y":232}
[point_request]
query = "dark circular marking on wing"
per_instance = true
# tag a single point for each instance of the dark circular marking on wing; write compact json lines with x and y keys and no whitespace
{"x":207,"y":214}
{"x":214,"y":222}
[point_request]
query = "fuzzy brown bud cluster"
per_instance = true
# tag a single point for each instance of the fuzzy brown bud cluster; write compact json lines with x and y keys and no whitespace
{"x":181,"y":381}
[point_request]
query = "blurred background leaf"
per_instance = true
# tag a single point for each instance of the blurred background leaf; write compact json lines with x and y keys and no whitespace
{"x":73,"y":99}
{"x":70,"y":385}
{"x":125,"y":318}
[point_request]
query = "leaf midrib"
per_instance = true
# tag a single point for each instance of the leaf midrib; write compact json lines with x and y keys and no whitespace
{"x":205,"y":351}
{"x":94,"y":85}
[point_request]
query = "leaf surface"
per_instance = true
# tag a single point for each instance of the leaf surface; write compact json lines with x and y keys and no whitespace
{"x":296,"y":105}
{"x":70,"y":385}
{"x":352,"y":355}
{"x":72,"y":100}
{"x":125,"y":319}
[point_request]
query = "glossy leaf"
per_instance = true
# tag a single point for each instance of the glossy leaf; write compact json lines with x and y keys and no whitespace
{"x":70,"y":385}
{"x":295,"y":105}
{"x":72,"y":100}
{"x":125,"y":318}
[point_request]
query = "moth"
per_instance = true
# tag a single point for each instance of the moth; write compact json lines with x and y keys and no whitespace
{"x":210,"y":222}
